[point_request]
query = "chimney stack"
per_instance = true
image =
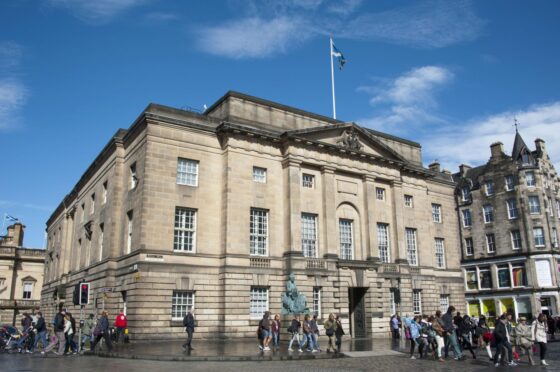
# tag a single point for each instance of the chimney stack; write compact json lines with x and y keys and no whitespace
{"x":539,"y":145}
{"x":497,"y":151}
{"x":435,"y":167}
{"x":14,"y":236}
{"x":463,"y":169}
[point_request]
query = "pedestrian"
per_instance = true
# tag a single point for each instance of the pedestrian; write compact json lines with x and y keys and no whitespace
{"x":87,"y":331}
{"x":551,"y":323}
{"x":314,"y":332}
{"x":70,"y":331}
{"x":101,"y":330}
{"x":465,"y":330}
{"x":189,"y":324}
{"x":539,"y":331}
{"x":275,"y":329}
{"x":395,"y":326}
{"x":486,"y":337}
{"x":450,"y":335}
{"x":338,"y":332}
{"x":294,"y":329}
{"x":41,"y":330}
{"x":503,"y":342}
{"x":414,"y":329}
{"x":438,"y":329}
{"x":59,"y":330}
{"x":121,"y":322}
{"x":330,"y":326}
{"x":264,"y":332}
{"x":524,"y":339}
{"x":307,"y":333}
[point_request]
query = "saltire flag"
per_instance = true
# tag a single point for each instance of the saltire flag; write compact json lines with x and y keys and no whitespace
{"x":339,"y":56}
{"x":10,"y":218}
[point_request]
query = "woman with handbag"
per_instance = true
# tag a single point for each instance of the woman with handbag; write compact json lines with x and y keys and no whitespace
{"x":329,"y":326}
{"x":523,"y":338}
{"x":539,"y":331}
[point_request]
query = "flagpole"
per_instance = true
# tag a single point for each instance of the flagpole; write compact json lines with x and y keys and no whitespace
{"x":332,"y":80}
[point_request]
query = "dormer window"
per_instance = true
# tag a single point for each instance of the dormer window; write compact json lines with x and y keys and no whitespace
{"x":465,"y":193}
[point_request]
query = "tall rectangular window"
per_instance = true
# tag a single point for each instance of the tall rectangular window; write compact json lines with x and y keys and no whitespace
{"x":180,"y":304}
{"x":465,"y":193}
{"x":550,"y":208}
{"x":554,"y":237}
{"x":519,"y":274}
{"x":504,"y":280}
{"x":416,"y":302}
{"x":558,"y":208}
{"x":309,"y":234}
{"x":258,"y":302}
{"x":469,"y":247}
{"x":104,"y":194}
{"x":485,"y":278}
{"x":467,"y":219}
{"x":308,"y":181}
{"x":411,"y":252}
{"x":380,"y":193}
{"x":488,"y":213}
{"x":92,"y":206}
{"x":443,"y":303}
{"x":509,"y":182}
{"x":512,"y":209}
{"x":489,"y":188}
{"x":383,"y":242}
{"x":538,"y":235}
{"x":471,"y":278}
{"x":346,"y":239}
{"x":100,"y":240}
{"x":436,"y":213}
{"x":317,"y":301}
{"x":490,"y":243}
{"x":133,"y":182}
{"x":440,"y":253}
{"x":184,"y":236}
{"x":515,"y":240}
{"x":534,"y":205}
{"x":187,"y":172}
{"x":259,"y":232}
{"x":129,"y":232}
{"x":408,"y":201}
{"x":27,"y":290}
{"x":259,"y":174}
{"x":530,"y":178}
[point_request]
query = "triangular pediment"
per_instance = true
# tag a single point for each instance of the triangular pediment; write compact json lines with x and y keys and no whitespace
{"x":348,"y":136}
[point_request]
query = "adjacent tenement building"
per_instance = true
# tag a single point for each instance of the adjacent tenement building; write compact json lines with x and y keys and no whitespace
{"x":509,"y":210}
{"x":215,"y":210}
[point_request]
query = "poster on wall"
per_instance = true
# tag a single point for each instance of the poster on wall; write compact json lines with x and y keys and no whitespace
{"x":544,"y":276}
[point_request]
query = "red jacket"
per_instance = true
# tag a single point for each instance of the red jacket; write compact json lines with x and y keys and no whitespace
{"x":120,"y":321}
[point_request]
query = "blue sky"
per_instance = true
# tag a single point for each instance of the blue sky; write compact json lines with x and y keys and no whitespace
{"x":449,"y":74}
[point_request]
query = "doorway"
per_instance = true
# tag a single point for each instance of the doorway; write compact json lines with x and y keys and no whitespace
{"x":357,"y":296}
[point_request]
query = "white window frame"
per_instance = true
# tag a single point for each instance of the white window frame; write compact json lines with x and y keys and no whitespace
{"x":534,"y":204}
{"x":309,"y":235}
{"x":411,"y":246}
{"x":180,"y":302}
{"x":467,"y":246}
{"x":258,"y":302}
{"x":259,"y":174}
{"x":489,"y":188}
{"x":557,"y":208}
{"x":509,"y":186}
{"x":436,"y":213}
{"x":184,"y":230}
{"x":513,"y":211}
{"x":516,"y":265}
{"x":380,"y":193}
{"x":317,"y":301}
{"x":467,"y":217}
{"x":417,"y":302}
{"x":187,"y":172}
{"x":503,"y":267}
{"x":516,"y":237}
{"x":133,"y":182}
{"x":550,"y":207}
{"x":130,"y":219}
{"x":530,"y":179}
{"x":465,"y":193}
{"x":25,"y":285}
{"x":258,"y":222}
{"x":308,"y":180}
{"x":476,"y":275}
{"x":383,"y":242}
{"x":537,"y":238}
{"x":440,"y":253}
{"x":488,"y":213}
{"x":409,"y":201}
{"x":345,"y":231}
{"x":443,"y":303}
{"x":484,"y":269}
{"x":490,"y":241}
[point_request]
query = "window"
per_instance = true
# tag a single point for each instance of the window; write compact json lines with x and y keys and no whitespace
{"x":104,"y":199}
{"x":467,"y":220}
{"x":512,"y":209}
{"x":259,"y":175}
{"x":554,"y":237}
{"x":92,"y":207}
{"x":346,"y":239}
{"x":534,"y":205}
{"x":259,"y":302}
{"x":383,"y":242}
{"x":509,"y":182}
{"x":504,"y":280}
{"x":180,"y":304}
{"x":416,"y":302}
{"x":259,"y":232}
{"x":184,"y":236}
{"x":469,"y":247}
{"x":309,"y":234}
{"x":408,"y":201}
{"x":436,"y":213}
{"x":485,"y":278}
{"x":411,"y":246}
{"x":490,"y":243}
{"x":83,"y":213}
{"x":515,"y":240}
{"x":27,"y":290}
{"x":443,"y":303}
{"x":129,"y":232}
{"x":472,"y":279}
{"x":550,"y":208}
{"x":308,"y":180}
{"x":558,"y":208}
{"x":465,"y":193}
{"x":187,"y":172}
{"x":538,"y":235}
{"x":380,"y":193}
{"x":133,"y":177}
{"x":488,"y":213}
{"x":530,"y":179}
{"x":100,"y":240}
{"x":440,"y":253}
{"x":489,"y":188}
{"x":317,"y":301}
{"x":519,"y":274}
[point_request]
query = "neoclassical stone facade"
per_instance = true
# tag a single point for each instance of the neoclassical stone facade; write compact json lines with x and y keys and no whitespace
{"x":509,"y":211}
{"x":215,"y":210}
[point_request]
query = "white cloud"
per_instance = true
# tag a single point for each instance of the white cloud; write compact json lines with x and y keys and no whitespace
{"x":13,"y":96}
{"x":96,"y":11}
{"x":344,"y":7}
{"x":253,"y":37}
{"x":470,"y":143}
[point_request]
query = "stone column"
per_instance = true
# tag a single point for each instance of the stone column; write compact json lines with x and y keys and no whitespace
{"x":329,"y":226}
{"x":372,"y":253}
{"x":398,"y":223}
{"x":292,"y":205}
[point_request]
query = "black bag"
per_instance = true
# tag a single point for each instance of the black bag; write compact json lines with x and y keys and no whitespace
{"x":329,"y":332}
{"x":290,"y":329}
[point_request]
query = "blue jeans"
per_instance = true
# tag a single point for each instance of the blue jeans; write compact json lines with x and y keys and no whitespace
{"x":452,"y":337}
{"x":315,"y":338}
{"x":309,"y":338}
{"x":276,"y":339}
{"x":301,"y":341}
{"x":41,"y":336}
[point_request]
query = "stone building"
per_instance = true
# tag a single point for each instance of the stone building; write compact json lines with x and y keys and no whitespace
{"x":509,"y":210}
{"x":215,"y":210}
{"x":21,"y":275}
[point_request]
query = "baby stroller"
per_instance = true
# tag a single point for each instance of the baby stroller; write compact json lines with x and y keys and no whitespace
{"x":26,"y":340}
{"x":9,"y":337}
